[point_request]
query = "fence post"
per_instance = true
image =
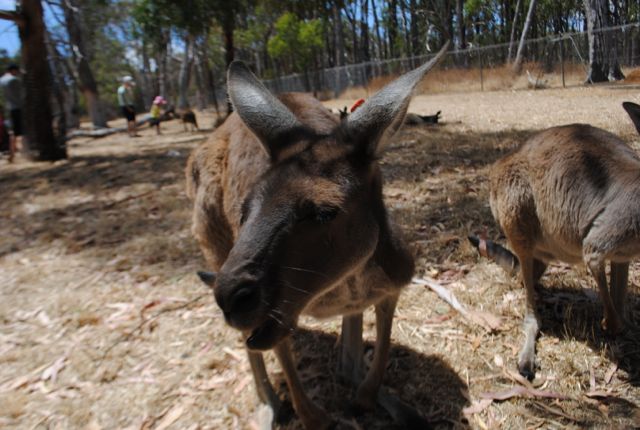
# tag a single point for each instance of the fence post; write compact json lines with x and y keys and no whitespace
{"x":562,"y":61}
{"x":481,"y":71}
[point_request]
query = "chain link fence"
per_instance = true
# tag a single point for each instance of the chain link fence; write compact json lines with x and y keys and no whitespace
{"x":552,"y":61}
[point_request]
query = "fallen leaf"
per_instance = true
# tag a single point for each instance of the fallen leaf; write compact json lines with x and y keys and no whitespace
{"x":51,"y":372}
{"x":599,"y":394}
{"x":497,"y":359}
{"x":242,"y":385}
{"x":610,"y":372}
{"x":170,"y":417}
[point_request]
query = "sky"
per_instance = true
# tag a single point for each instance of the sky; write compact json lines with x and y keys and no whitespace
{"x":8,"y":31}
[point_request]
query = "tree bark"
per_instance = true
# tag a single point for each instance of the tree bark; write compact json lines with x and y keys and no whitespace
{"x":338,"y":35}
{"x":163,"y":58}
{"x":513,"y":31}
{"x":185,"y":74}
{"x":228,"y":27}
{"x":40,"y":141}
{"x":462,"y":39}
{"x":86,"y":82}
{"x":58,"y":90}
{"x":63,"y":93}
{"x":351,"y":17}
{"x":393,"y":27}
{"x":364,"y":34}
{"x":415,"y":31}
{"x":380,"y":45}
{"x":603,"y":55}
{"x":147,"y":87}
{"x":207,"y":74}
{"x":517,"y":64}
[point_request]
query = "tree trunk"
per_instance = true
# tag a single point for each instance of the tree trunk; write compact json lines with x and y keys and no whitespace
{"x":65,"y":99}
{"x":364,"y":34}
{"x":380,"y":45}
{"x":162,"y":59}
{"x":147,"y":87}
{"x":517,"y":64}
{"x":415,"y":33}
{"x":40,"y":141}
{"x":513,"y":31}
{"x":58,"y":90}
{"x":86,"y":81}
{"x":351,"y":17}
{"x":462,"y":39}
{"x":393,"y":27}
{"x":185,"y":74}
{"x":228,"y":27}
{"x":207,"y":74}
{"x":603,"y":55}
{"x":338,"y":35}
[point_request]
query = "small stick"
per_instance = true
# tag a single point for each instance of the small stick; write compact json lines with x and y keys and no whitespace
{"x":128,"y":335}
{"x":489,"y":322}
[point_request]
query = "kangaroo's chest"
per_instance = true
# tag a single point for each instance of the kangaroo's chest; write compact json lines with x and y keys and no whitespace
{"x":352,"y":295}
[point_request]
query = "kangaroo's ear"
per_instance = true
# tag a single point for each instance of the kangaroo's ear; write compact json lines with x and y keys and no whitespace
{"x":266,"y":116}
{"x":373,"y":123}
{"x":634,"y":112}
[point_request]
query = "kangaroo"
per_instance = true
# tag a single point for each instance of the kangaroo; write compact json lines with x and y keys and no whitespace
{"x":415,"y":119}
{"x":570,"y":193}
{"x":189,"y":117}
{"x":288,"y":210}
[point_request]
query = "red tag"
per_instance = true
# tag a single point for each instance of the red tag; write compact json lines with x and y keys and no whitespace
{"x":357,"y":104}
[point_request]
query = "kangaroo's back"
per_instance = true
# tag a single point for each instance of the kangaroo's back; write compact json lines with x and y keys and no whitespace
{"x":561,"y":179}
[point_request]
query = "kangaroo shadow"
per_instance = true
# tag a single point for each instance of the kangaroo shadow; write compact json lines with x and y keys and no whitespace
{"x":425,"y":382}
{"x":571,"y":313}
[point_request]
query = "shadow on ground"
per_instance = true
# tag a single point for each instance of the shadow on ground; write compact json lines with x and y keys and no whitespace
{"x":94,"y":202}
{"x":571,"y":313}
{"x":426,"y":382}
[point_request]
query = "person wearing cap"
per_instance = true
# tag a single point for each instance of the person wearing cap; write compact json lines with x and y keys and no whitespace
{"x":155,"y":112}
{"x":13,"y":95}
{"x":125,"y":101}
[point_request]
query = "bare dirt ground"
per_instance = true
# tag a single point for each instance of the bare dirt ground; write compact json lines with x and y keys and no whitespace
{"x":104,"y":324}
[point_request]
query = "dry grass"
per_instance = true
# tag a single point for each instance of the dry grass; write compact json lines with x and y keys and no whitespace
{"x":104,"y":325}
{"x":498,"y":78}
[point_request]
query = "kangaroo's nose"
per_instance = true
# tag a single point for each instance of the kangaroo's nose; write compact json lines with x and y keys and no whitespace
{"x":242,"y":298}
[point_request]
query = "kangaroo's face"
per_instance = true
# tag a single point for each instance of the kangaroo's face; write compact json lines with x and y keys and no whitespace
{"x":313,"y":217}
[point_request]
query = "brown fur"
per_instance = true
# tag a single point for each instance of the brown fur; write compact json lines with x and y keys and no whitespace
{"x":288,"y":207}
{"x":570,"y":193}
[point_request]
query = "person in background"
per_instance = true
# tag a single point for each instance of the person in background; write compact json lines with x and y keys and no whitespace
{"x":13,"y":95}
{"x":5,"y":138}
{"x":125,"y":101}
{"x":155,"y":112}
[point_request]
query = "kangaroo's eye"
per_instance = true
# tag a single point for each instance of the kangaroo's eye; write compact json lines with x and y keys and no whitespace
{"x":244,"y":212}
{"x":324,"y":215}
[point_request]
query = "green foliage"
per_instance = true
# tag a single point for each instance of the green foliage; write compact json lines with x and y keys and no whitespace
{"x":295,"y":40}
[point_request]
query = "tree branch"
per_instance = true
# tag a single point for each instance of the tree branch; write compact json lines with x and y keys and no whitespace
{"x":12,"y":15}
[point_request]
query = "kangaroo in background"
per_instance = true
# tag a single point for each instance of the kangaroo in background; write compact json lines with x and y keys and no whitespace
{"x":189,"y":117}
{"x":288,"y":209}
{"x":570,"y":193}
